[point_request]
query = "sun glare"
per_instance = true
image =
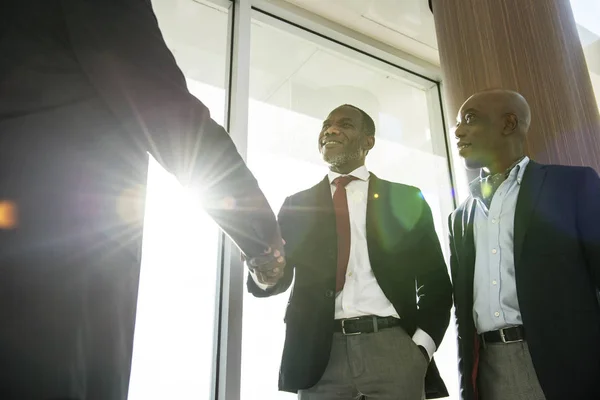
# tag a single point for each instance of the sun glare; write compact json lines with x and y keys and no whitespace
{"x":172,"y":355}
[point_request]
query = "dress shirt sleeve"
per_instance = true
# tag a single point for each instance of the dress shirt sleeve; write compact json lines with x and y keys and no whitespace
{"x":262,"y":286}
{"x":421,"y":338}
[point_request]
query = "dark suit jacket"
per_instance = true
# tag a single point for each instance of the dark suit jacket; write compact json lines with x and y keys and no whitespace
{"x":87,"y":88}
{"x":403,"y":248}
{"x":557,"y":267}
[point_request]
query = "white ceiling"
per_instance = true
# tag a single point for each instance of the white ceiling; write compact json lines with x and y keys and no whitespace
{"x":404,"y":24}
{"x":408,"y":25}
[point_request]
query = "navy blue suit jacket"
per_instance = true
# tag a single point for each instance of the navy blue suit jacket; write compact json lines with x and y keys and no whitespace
{"x":557,"y":269}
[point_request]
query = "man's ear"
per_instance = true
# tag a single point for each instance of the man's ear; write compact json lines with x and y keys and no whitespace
{"x":369,"y":142}
{"x":511,"y":123}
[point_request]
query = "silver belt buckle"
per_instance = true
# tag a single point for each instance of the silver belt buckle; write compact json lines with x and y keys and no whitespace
{"x":503,"y":337}
{"x":344,"y":326}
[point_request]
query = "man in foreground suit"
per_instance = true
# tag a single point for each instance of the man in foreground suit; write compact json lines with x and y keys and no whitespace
{"x":525,"y":263}
{"x":87,"y":88}
{"x":353,"y":328}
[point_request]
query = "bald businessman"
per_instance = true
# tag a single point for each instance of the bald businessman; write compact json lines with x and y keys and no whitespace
{"x":87,"y":88}
{"x":525,"y":261}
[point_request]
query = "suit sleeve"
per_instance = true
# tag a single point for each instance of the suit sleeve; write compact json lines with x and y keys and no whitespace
{"x":288,"y":275}
{"x":462,"y":376}
{"x":435,"y":289}
{"x":589,"y":221}
{"x":121,"y":50}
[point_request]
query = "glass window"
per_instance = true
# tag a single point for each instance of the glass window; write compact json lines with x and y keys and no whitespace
{"x":587,"y":15}
{"x":294,"y":83}
{"x":173,"y":345}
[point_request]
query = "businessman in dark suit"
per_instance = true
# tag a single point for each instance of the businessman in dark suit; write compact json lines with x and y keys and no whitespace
{"x":361,"y":250}
{"x":87,"y":88}
{"x":525,"y":263}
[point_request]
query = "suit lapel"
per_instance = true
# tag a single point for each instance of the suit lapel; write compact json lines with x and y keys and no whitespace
{"x":324,"y":218}
{"x":310,"y":221}
{"x":323,"y":195}
{"x":465,"y":242}
{"x":372,"y":214}
{"x":374,"y":186}
{"x":531,"y":186}
{"x":384,"y":233}
{"x":392,"y":212}
{"x":468,"y":241}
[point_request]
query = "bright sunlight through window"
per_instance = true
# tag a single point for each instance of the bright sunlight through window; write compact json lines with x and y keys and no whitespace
{"x":173,"y":343}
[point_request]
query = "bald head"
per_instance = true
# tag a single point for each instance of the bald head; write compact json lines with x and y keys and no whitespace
{"x":502,"y":102}
{"x":492,"y":126}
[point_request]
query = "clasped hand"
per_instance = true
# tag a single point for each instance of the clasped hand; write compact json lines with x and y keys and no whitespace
{"x":269,"y":266}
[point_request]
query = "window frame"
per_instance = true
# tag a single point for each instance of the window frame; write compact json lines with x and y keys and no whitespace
{"x":286,"y":16}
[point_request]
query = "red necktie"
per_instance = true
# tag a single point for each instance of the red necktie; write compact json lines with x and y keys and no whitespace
{"x":342,"y":222}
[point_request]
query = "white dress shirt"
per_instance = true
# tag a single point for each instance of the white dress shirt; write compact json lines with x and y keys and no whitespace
{"x":361,"y":295}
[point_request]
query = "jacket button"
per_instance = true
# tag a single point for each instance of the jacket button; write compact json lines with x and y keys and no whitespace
{"x":329,"y":293}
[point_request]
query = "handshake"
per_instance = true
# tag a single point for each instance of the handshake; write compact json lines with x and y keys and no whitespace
{"x":269,"y":266}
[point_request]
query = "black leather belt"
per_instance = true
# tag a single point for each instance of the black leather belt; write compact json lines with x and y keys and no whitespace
{"x":367,"y":324}
{"x":506,"y":335}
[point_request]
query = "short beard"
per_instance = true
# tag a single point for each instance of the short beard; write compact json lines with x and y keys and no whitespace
{"x":339,"y":160}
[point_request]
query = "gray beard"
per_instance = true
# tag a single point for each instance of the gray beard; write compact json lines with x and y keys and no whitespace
{"x":342,"y":159}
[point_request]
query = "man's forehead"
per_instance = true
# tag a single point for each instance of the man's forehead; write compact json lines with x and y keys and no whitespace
{"x":466,"y":109}
{"x":487,"y":100}
{"x":344,"y":112}
{"x":477,"y":103}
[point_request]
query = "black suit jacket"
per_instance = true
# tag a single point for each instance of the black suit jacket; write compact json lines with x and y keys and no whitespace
{"x":403,"y":248}
{"x":557,"y":270}
{"x":87,"y":89}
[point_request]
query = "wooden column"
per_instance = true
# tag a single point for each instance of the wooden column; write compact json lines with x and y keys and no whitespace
{"x":530,"y":46}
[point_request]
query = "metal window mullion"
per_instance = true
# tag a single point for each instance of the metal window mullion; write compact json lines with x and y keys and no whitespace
{"x":440,"y":139}
{"x":440,"y":146}
{"x":229,"y":333}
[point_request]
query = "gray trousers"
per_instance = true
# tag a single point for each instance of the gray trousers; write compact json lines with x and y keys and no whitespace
{"x":385,"y":365}
{"x":506,"y":373}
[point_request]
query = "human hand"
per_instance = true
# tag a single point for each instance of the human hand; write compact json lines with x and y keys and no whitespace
{"x":269,"y":266}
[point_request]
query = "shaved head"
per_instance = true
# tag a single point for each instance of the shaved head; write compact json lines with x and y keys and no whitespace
{"x":505,"y":102}
{"x":491,"y":128}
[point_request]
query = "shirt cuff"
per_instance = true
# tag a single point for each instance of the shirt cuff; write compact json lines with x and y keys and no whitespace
{"x":262,"y":286}
{"x":421,"y":338}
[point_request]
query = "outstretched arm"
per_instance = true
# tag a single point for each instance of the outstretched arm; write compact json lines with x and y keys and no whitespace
{"x":120,"y":47}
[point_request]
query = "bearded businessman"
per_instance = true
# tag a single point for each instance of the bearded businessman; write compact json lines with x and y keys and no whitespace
{"x":87,"y":88}
{"x":362,"y":249}
{"x":525,"y":263}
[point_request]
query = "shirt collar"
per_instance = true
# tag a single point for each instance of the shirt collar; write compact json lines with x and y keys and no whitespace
{"x":516,"y":171}
{"x":520,"y":169}
{"x":361,"y":173}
